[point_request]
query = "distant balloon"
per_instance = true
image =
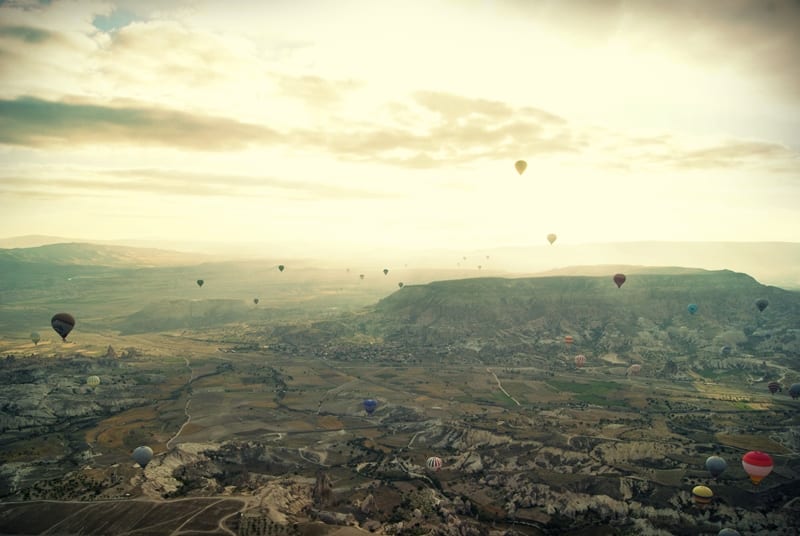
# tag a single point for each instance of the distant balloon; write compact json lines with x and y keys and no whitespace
{"x":385,"y":271}
{"x":551,"y":238}
{"x":63,"y":324}
{"x":725,"y":351}
{"x":728,"y":532}
{"x":35,"y":337}
{"x":400,"y":284}
{"x":794,"y":391}
{"x":255,"y":300}
{"x":281,"y":267}
{"x":434,"y":463}
{"x":520,"y":166}
{"x":619,"y":279}
{"x":774,"y":387}
{"x":580,"y":360}
{"x":702,"y":495}
{"x":757,"y":465}
{"x":762,"y":304}
{"x":634,"y":370}
{"x":569,"y":340}
{"x":370,"y":405}
{"x":361,"y":276}
{"x":692,"y":308}
{"x":479,"y":267}
{"x":716,"y":465}
{"x":200,"y":282}
{"x":142,"y":456}
{"x":93,"y":381}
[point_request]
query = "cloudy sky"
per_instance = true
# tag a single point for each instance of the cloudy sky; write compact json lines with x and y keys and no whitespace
{"x":363,"y":124}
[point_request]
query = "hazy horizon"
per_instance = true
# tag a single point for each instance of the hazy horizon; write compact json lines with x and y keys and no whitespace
{"x":322,"y":127}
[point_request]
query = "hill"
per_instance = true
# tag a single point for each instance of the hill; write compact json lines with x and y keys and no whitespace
{"x":85,"y":254}
{"x":512,"y":321}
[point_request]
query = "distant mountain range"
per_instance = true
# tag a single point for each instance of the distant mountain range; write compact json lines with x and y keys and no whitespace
{"x":774,"y":263}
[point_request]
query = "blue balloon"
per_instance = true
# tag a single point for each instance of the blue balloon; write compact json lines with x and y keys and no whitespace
{"x":692,"y":308}
{"x":370,"y":405}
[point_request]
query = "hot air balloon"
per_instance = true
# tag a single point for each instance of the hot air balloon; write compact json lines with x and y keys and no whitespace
{"x":281,"y":267}
{"x":93,"y":381}
{"x":634,"y":370}
{"x":794,"y":391}
{"x":434,"y":463}
{"x":361,"y":276}
{"x":35,"y":337}
{"x":757,"y":465}
{"x":580,"y":360}
{"x":400,"y":284}
{"x":774,"y":387}
{"x":762,"y":304}
{"x":142,"y":456}
{"x":370,"y":405}
{"x":200,"y":282}
{"x":725,"y":351}
{"x":568,"y":340}
{"x":385,"y":271}
{"x":728,"y":532}
{"x":479,"y":267}
{"x":692,"y":308}
{"x":63,"y":324}
{"x":716,"y":465}
{"x":619,"y":279}
{"x":255,"y":300}
{"x":551,"y":238}
{"x":520,"y":166}
{"x":702,"y":495}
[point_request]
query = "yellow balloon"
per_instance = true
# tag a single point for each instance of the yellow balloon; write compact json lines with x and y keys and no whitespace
{"x":551,"y":238}
{"x":520,"y":166}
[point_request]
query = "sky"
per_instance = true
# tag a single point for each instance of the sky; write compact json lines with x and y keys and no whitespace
{"x":362,"y":125}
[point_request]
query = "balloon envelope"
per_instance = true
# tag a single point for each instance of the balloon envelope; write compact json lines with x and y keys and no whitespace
{"x":716,"y":465}
{"x":580,"y":360}
{"x":729,"y":532}
{"x":93,"y":381}
{"x":619,"y":279}
{"x":200,"y":282}
{"x":434,"y":463}
{"x":757,"y":465}
{"x":725,"y":350}
{"x":794,"y":391}
{"x":551,"y":238}
{"x":400,"y":284}
{"x":569,"y":339}
{"x":762,"y":304}
{"x":370,"y":405}
{"x":520,"y":166}
{"x":361,"y":276}
{"x":385,"y":271}
{"x":774,"y":387}
{"x":255,"y":300}
{"x":142,"y":456}
{"x":634,"y":370}
{"x":692,"y":308}
{"x":35,"y":337}
{"x":281,"y":267}
{"x":702,"y":494}
{"x":62,"y":323}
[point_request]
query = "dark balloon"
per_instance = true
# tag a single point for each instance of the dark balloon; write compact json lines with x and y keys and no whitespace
{"x":142,"y":456}
{"x":725,"y":350}
{"x":762,"y":304}
{"x":400,"y":284}
{"x":200,"y":282}
{"x":774,"y":387}
{"x":729,"y":532}
{"x":63,"y":324}
{"x":361,"y":276}
{"x":370,"y":405}
{"x":619,"y":279}
{"x":281,"y":267}
{"x":794,"y":391}
{"x":385,"y":271}
{"x":255,"y":300}
{"x":716,"y":465}
{"x":692,"y":308}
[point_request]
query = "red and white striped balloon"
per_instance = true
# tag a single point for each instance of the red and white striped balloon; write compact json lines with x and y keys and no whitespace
{"x":434,"y":463}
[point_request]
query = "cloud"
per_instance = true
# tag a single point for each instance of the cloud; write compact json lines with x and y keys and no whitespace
{"x":27,"y":34}
{"x":110,"y":182}
{"x":314,"y":90}
{"x":38,"y":123}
